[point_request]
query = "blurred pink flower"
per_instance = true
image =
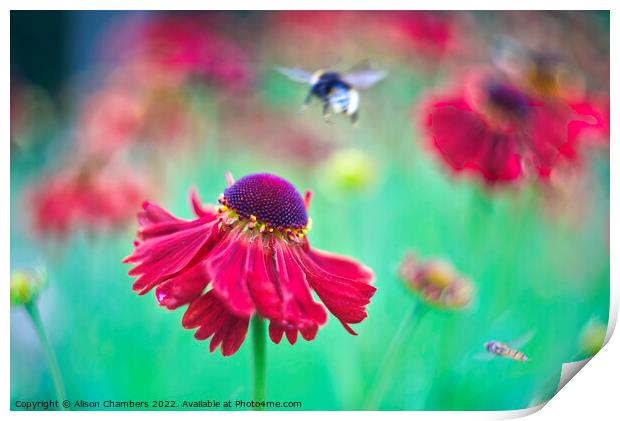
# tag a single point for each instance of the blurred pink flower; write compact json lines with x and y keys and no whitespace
{"x":89,"y":197}
{"x":187,"y":46}
{"x":328,"y":36}
{"x":319,"y":38}
{"x":431,"y":33}
{"x":109,"y":120}
{"x":116,"y":118}
{"x":593,"y":125}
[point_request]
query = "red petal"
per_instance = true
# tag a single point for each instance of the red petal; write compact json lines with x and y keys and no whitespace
{"x":160,"y":229}
{"x":197,"y":310}
{"x":226,"y":264}
{"x":345,"y":296}
{"x":299,"y":309}
{"x":182,"y":289}
{"x":498,"y":160}
{"x":153,"y":214}
{"x":209,"y":213}
{"x":291,"y":335}
{"x":162,"y":257}
{"x":309,"y":332}
{"x":592,"y":120}
{"x":262,"y":288}
{"x":275,"y":332}
{"x":235,"y":335}
{"x":549,"y":136}
{"x":341,"y":266}
{"x":213,"y":319}
{"x":457,"y":132}
{"x":466,"y":142}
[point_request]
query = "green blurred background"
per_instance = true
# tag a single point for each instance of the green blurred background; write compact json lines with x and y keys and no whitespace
{"x":534,"y":267}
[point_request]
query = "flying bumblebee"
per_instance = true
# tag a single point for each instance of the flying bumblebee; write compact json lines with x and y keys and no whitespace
{"x":335,"y":90}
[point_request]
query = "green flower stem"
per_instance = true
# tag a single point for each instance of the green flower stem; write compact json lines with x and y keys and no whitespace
{"x":385,"y":371}
{"x":35,"y":316}
{"x":258,"y":339}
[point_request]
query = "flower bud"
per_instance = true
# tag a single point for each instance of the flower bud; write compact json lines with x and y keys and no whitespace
{"x":349,"y":171}
{"x":26,"y":286}
{"x":436,"y":281}
{"x":592,"y":337}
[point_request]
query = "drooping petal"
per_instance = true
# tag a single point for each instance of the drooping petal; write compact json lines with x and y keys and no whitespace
{"x":263,"y":289}
{"x":549,"y":136}
{"x":212,"y":318}
{"x":203,"y":308}
{"x":455,"y":131}
{"x":346,"y":297}
{"x":466,"y":142}
{"x":160,"y":258}
{"x":226,"y":264}
{"x":230,"y":336}
{"x":299,"y":310}
{"x":183,"y":288}
{"x":153,"y":214}
{"x":498,"y":160}
{"x":309,"y":332}
{"x":275,"y":332}
{"x":161,"y":229}
{"x":341,"y":266}
{"x":155,"y":221}
{"x":291,"y":334}
{"x":592,"y":121}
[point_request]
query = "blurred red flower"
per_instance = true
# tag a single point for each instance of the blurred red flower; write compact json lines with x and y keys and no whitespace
{"x":593,"y":125}
{"x":492,"y":128}
{"x":254,"y":253}
{"x":187,"y":46}
{"x":430,"y":33}
{"x":109,"y":121}
{"x":90,"y":197}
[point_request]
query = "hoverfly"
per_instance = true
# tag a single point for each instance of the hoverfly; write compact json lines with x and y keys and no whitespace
{"x":338,"y":91}
{"x":501,"y":349}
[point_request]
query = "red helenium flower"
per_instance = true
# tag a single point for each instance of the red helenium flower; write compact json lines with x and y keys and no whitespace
{"x":491,"y":127}
{"x":180,"y":48}
{"x":187,"y":46}
{"x":249,"y":256}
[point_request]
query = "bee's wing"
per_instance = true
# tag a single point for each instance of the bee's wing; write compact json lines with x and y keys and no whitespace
{"x":363,"y":79}
{"x":522,"y":340}
{"x":295,"y":74}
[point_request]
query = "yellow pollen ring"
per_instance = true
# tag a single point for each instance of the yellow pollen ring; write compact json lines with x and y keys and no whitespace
{"x":228,"y":215}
